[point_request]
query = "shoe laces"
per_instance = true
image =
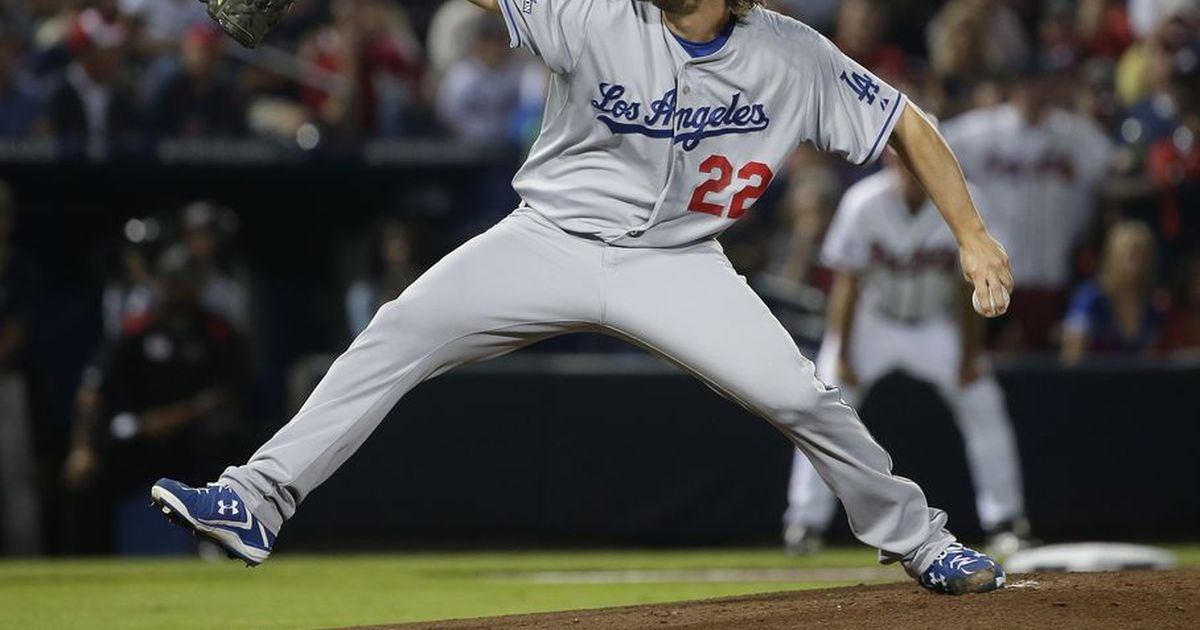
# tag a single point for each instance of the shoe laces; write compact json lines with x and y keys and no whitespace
{"x":954,"y":547}
{"x":961,"y":561}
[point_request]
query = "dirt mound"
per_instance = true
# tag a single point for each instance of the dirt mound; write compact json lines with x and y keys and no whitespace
{"x":1093,"y":601}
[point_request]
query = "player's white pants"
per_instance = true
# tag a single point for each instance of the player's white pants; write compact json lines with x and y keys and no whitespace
{"x":929,"y":352}
{"x":525,"y":280}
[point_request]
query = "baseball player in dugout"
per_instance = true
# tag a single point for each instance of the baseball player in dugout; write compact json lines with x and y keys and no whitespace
{"x":665,"y":121}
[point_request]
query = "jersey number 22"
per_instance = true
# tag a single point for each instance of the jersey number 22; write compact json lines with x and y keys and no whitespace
{"x":756,"y":175}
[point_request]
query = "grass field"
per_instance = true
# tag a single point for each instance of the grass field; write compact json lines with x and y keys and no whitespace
{"x":299,"y":591}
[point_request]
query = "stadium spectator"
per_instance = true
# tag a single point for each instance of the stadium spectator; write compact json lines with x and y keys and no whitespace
{"x":1105,"y":30}
{"x":861,"y":28}
{"x":22,"y":112}
{"x":1116,"y":313}
{"x":1147,"y":15}
{"x":481,"y":93}
{"x":165,"y":397}
{"x":1144,"y":85}
{"x":392,"y":269}
{"x":158,"y":25}
{"x":372,"y":48}
{"x":1040,"y":167}
{"x":1057,"y":35}
{"x":1145,"y":64}
{"x":19,"y":516}
{"x":1173,"y":160}
{"x":47,"y":26}
{"x":972,"y":42}
{"x":200,"y":99}
{"x":1181,"y":331}
{"x":91,"y":107}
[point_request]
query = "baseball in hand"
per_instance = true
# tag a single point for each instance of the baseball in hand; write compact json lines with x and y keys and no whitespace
{"x":979,"y":308}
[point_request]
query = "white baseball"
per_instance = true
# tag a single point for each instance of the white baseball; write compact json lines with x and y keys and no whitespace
{"x":979,"y":308}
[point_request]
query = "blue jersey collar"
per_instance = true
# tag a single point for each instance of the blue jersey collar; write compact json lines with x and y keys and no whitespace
{"x":704,"y":49}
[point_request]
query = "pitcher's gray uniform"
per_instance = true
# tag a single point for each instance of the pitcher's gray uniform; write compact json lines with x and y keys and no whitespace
{"x":645,"y":155}
{"x":908,"y":318}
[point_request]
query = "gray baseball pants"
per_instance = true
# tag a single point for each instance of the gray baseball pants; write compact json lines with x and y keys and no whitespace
{"x":525,"y":280}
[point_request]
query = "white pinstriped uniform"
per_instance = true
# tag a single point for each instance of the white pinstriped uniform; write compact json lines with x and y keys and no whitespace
{"x":1040,"y":180}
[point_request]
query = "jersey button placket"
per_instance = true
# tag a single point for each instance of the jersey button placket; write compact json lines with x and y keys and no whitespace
{"x":677,"y":159}
{"x":676,"y":154}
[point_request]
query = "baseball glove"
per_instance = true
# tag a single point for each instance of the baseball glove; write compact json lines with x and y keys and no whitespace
{"x":248,"y":21}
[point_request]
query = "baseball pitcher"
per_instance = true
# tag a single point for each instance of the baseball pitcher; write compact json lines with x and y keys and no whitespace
{"x":897,"y":304}
{"x":665,"y":120}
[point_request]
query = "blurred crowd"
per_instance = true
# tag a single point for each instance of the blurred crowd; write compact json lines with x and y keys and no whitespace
{"x":106,"y":76}
{"x":1075,"y":119}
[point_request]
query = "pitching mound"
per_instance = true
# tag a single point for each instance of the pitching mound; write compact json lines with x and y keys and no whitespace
{"x":1093,"y":601}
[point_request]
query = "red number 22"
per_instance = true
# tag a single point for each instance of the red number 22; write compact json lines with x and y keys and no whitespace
{"x":719,"y":166}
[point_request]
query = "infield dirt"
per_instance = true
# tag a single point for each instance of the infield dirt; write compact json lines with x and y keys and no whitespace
{"x":1162,"y":600}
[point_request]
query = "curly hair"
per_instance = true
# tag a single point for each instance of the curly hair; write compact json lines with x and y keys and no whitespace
{"x":741,"y":8}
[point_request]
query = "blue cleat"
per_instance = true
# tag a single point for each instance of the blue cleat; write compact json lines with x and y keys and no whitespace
{"x":217,"y":513}
{"x":960,"y":570}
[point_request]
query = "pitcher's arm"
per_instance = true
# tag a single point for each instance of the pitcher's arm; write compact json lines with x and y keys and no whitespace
{"x":925,"y":152}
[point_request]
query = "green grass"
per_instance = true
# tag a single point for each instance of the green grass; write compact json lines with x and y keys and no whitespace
{"x":330,"y":591}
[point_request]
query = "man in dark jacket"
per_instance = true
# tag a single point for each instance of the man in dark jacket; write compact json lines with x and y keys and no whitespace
{"x":90,"y":107}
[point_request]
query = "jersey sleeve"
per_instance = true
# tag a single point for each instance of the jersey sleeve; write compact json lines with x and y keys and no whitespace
{"x":849,"y":111}
{"x":551,"y":29}
{"x":845,"y":246}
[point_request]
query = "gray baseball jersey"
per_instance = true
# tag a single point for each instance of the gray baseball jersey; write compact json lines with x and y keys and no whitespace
{"x":645,"y":146}
{"x":648,"y":153}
